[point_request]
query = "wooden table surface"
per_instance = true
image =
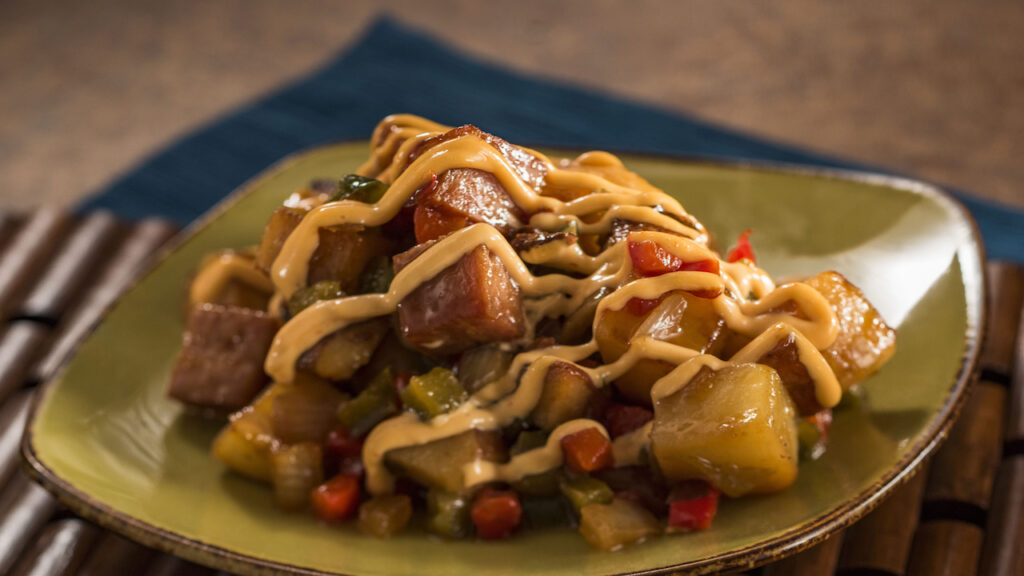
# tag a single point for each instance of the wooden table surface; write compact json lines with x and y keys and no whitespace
{"x":935,"y":89}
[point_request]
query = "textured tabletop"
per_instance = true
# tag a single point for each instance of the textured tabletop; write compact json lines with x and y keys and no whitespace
{"x":927,"y":88}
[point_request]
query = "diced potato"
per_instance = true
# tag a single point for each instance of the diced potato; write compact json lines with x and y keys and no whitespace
{"x":282,"y":222}
{"x":617,"y":524}
{"x":567,"y":395}
{"x":244,"y":445}
{"x":439,"y":464}
{"x":221,"y":361}
{"x":305,"y":410}
{"x":865,"y":341}
{"x":385,"y":516}
{"x":295,"y":470}
{"x":342,"y":251}
{"x":338,"y":356}
{"x":680,"y":318}
{"x":472,"y":302}
{"x":735,"y":428}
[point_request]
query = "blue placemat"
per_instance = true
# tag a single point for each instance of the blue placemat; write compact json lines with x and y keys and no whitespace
{"x":395,"y":69}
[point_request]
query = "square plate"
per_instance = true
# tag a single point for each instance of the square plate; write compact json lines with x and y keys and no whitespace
{"x":105,"y":438}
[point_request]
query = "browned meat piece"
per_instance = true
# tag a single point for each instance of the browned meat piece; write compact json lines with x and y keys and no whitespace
{"x":221,"y":361}
{"x":472,"y":302}
{"x":341,"y":255}
{"x":278,"y":228}
{"x":528,"y":167}
{"x":785,"y":359}
{"x":473,"y":196}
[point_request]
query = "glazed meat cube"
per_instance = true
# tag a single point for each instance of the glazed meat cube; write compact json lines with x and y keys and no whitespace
{"x":865,"y":341}
{"x":472,"y":302}
{"x":341,"y":255}
{"x":527,"y":166}
{"x":221,"y":362}
{"x":280,"y":225}
{"x":785,"y":359}
{"x":460,"y":197}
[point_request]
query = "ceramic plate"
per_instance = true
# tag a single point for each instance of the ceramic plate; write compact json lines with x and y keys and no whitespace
{"x":109,"y":443}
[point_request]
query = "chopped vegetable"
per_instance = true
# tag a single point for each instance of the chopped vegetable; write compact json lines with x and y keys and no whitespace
{"x":624,"y":418}
{"x":337,"y":499}
{"x":360,"y":189}
{"x":308,"y":295}
{"x":385,"y":516}
{"x":433,"y":393}
{"x":305,"y":410}
{"x":377,"y":276}
{"x":651,"y":259}
{"x":482,"y":365}
{"x":742,"y":250}
{"x":581,"y":491}
{"x":528,"y":440}
{"x":587,"y":450}
{"x":339,"y":355}
{"x":692,"y":505}
{"x":294,"y":471}
{"x":616,"y":524}
{"x":439,"y":464}
{"x":448,"y":514}
{"x":813,"y":434}
{"x":734,"y":427}
{"x":568,"y":394}
{"x":496,"y":513}
{"x":372,"y":405}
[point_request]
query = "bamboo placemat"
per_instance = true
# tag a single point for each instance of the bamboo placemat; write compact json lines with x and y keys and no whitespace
{"x":962,"y":514}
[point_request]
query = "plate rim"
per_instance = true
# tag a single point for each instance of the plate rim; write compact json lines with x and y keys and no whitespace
{"x":787,"y":543}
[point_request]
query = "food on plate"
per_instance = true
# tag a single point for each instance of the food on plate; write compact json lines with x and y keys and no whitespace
{"x":468,"y":334}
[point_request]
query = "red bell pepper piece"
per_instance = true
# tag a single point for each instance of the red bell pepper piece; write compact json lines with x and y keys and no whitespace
{"x":587,"y":451}
{"x":496,"y":513}
{"x":692,"y":505}
{"x":651,"y":259}
{"x":742,"y":249}
{"x":642,"y":306}
{"x":337,"y":499}
{"x":622,"y":419}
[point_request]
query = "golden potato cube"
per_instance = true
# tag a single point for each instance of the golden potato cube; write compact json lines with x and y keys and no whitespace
{"x":734,"y":427}
{"x":865,"y":341}
{"x":568,"y":392}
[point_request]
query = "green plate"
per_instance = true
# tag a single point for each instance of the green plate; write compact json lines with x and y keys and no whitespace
{"x":108,"y":442}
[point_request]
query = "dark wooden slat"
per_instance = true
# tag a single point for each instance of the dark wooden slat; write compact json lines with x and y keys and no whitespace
{"x":71,"y":268}
{"x":819,"y":559}
{"x":167,"y":565}
{"x":114,"y":554}
{"x":945,"y":548}
{"x":1003,"y":552}
{"x":19,"y":347}
{"x":12,"y":422}
{"x":60,"y":549}
{"x":135,"y":252}
{"x":964,"y":469}
{"x":881,"y":540}
{"x":1006,"y":293}
{"x":1015,"y":413}
{"x":24,"y":509}
{"x":28,"y":253}
{"x":9,"y":224}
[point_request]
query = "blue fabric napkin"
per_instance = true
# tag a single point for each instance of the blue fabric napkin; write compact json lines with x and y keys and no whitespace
{"x":395,"y":69}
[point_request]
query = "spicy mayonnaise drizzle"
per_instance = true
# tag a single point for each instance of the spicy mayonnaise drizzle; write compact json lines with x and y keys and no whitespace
{"x":615,"y":194}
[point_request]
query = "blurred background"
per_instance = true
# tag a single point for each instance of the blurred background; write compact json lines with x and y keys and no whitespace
{"x":934,"y":89}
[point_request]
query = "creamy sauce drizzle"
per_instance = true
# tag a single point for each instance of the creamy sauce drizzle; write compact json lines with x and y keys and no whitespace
{"x":214,"y":276}
{"x":517,"y":393}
